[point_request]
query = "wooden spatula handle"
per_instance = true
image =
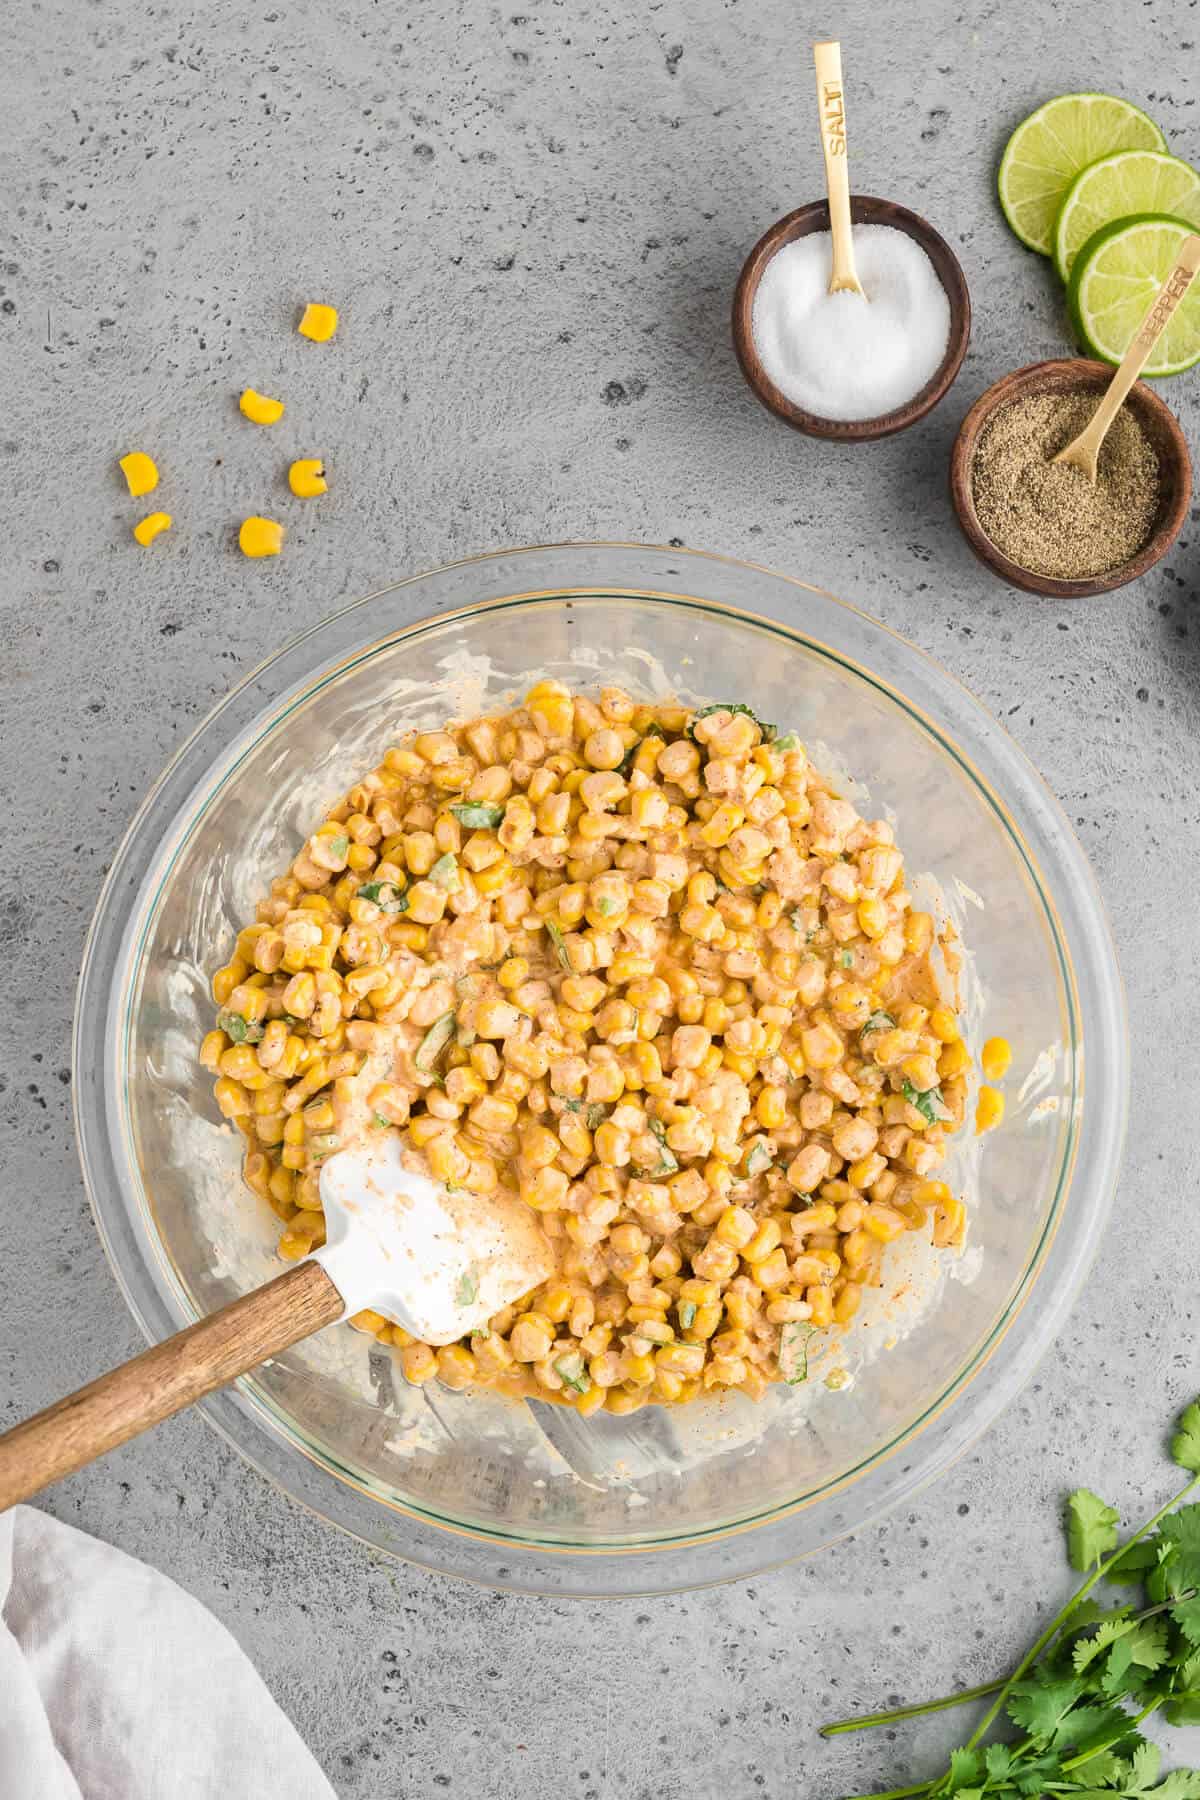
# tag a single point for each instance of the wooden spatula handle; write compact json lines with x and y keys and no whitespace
{"x":165,"y":1379}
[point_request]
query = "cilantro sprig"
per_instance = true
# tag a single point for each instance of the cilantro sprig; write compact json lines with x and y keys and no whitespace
{"x":1080,"y":1693}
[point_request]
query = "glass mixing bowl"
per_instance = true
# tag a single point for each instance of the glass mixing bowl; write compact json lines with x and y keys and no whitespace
{"x":530,"y":1496}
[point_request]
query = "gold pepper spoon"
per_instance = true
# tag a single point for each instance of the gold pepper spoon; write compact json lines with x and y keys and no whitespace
{"x":1083,"y":451}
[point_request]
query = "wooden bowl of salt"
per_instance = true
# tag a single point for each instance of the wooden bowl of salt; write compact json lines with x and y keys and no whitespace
{"x":764,"y":359}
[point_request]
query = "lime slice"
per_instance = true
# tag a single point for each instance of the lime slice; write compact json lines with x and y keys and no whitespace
{"x":1117,"y":275}
{"x":1119,"y":187}
{"x":1049,"y":148}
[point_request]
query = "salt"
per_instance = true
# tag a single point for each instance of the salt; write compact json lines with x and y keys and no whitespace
{"x":841,"y":356}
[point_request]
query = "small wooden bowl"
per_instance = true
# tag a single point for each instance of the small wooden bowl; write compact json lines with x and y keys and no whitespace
{"x":864,"y":210}
{"x":1069,"y":375}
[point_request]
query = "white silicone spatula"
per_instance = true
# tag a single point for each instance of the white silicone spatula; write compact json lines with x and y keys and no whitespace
{"x":437,"y":1262}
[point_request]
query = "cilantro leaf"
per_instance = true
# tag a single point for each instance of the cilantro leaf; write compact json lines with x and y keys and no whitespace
{"x":444,"y":873}
{"x":467,"y":1290}
{"x":476,"y":815}
{"x":1032,"y":1774}
{"x":668,"y":1162}
{"x":386,"y":895}
{"x":1092,"y":1727}
{"x":1143,"y":1769}
{"x":759,"y":1157}
{"x":966,"y":1769}
{"x":1088,"y":1612}
{"x":928,"y":1102}
{"x":1106,"y":1771}
{"x":573,"y":1372}
{"x":1185,"y":1445}
{"x":1148,"y":1644}
{"x":1088,"y":1649}
{"x":1183,"y":1709}
{"x":1132,"y":1563}
{"x":242,"y":1031}
{"x":1187,"y":1616}
{"x":1041,"y":1702}
{"x":1180,"y":1784}
{"x":793,"y":1351}
{"x":997,"y":1759}
{"x":1091,"y":1528}
{"x":1183,"y":1529}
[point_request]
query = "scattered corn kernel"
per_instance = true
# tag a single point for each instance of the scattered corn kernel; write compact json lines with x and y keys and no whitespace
{"x":152,"y":526}
{"x":260,"y":537}
{"x":318,"y":322}
{"x":307,"y":478}
{"x":139,"y":472}
{"x":260,"y":409}
{"x":995,"y":1058}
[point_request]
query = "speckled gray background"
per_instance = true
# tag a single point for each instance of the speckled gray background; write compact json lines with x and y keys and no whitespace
{"x":532,"y":221}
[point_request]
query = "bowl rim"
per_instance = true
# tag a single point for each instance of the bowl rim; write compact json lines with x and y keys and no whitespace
{"x":865,"y":209}
{"x":230,"y":1410}
{"x":1058,"y":372}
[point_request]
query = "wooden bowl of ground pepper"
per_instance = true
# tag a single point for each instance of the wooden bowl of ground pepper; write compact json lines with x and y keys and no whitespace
{"x":1044,"y":527}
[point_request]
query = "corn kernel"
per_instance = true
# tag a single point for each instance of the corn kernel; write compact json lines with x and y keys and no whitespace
{"x":770,"y":1109}
{"x":949,"y":1226}
{"x":260,"y":537}
{"x":954,"y":1060}
{"x":995,"y":1057}
{"x":259,"y":408}
{"x":989,"y":1109}
{"x":944,"y":1025}
{"x":139,"y":472}
{"x":152,"y":526}
{"x":847,"y":1303}
{"x":318,"y":322}
{"x":307,"y":477}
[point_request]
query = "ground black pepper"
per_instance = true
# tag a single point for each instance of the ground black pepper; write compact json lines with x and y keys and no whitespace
{"x":1049,"y":518}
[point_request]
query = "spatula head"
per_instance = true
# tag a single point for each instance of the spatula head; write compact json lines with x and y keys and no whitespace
{"x":437,"y":1261}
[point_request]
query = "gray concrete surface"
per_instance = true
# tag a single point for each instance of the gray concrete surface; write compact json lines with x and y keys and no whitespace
{"x":532,"y":220}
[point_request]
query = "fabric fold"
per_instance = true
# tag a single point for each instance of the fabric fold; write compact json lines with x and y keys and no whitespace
{"x":117,"y":1685}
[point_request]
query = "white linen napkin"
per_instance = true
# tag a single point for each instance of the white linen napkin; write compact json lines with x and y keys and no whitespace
{"x":116,"y":1685}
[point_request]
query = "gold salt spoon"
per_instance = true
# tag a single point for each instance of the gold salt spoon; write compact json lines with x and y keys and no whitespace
{"x":831,"y":107}
{"x":1083,"y":451}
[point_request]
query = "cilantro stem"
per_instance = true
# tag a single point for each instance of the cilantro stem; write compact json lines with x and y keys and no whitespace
{"x":922,"y":1787}
{"x":1098,"y":1573}
{"x":864,"y":1721}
